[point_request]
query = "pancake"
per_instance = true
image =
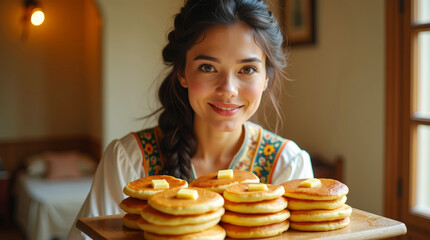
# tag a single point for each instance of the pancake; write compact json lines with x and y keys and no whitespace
{"x":175,"y":230}
{"x":213,"y":233}
{"x":320,"y":226}
{"x":132,"y":205}
{"x":240,"y":193}
{"x":211,"y":182}
{"x":167,"y":202}
{"x":142,"y":188}
{"x":159,"y":218}
{"x":329,"y":189}
{"x":270,"y":230}
{"x":266,"y":206}
{"x":130,"y":221}
{"x":321,"y":215}
{"x":301,"y":204}
{"x":249,"y":220}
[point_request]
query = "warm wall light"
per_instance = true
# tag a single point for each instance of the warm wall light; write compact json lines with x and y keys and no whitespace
{"x":32,"y":14}
{"x":37,"y":17}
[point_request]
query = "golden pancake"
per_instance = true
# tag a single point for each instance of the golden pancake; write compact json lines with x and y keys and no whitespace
{"x":329,"y":189}
{"x":175,"y":230}
{"x":320,"y":226}
{"x":301,"y":204}
{"x":270,"y":230}
{"x":132,"y":205}
{"x":213,"y":233}
{"x":241,"y":219}
{"x":156,"y":217}
{"x":142,"y":188}
{"x":321,"y":215}
{"x":266,"y":206}
{"x":211,"y":182}
{"x":130,"y":221}
{"x":167,"y":202}
{"x":240,"y":193}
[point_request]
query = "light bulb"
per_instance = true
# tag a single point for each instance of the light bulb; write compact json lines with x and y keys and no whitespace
{"x":37,"y":17}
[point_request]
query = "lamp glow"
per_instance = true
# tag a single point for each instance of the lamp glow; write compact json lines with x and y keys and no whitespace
{"x":37,"y":17}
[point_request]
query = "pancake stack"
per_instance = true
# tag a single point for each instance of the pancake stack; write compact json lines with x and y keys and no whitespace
{"x":254,"y":211}
{"x":317,"y":204}
{"x":216,"y":183}
{"x":190,"y":213}
{"x":139,"y":191}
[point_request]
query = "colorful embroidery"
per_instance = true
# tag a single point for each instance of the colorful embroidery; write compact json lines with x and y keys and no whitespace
{"x":269,"y":148}
{"x":152,"y":162}
{"x":244,"y":162}
{"x":263,"y":150}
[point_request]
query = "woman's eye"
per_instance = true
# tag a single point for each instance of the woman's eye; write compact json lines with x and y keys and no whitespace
{"x":207,"y":68}
{"x":248,"y":70}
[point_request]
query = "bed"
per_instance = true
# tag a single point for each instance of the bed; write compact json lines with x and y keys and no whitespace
{"x":49,"y":193}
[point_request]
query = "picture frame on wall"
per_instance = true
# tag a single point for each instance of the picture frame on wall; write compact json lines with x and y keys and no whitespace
{"x":299,"y":21}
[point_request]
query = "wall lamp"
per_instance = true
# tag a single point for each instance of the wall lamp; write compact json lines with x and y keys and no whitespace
{"x":32,"y":14}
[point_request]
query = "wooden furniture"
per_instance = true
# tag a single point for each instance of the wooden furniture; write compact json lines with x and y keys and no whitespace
{"x":327,"y":169}
{"x":4,"y":198}
{"x":363,"y":225}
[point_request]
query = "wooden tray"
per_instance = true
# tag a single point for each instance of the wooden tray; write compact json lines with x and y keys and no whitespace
{"x":363,"y":225}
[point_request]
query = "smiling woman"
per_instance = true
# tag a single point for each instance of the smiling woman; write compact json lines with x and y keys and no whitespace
{"x":224,"y":55}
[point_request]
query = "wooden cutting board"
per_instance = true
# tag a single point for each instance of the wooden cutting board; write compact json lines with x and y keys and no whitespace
{"x":363,"y":225}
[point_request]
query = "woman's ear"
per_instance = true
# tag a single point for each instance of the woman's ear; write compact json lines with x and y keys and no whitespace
{"x":182,"y":80}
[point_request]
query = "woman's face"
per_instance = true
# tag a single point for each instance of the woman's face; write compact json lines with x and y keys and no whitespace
{"x":225,"y":75}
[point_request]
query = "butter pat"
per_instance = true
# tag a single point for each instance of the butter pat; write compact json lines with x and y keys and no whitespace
{"x":187,"y":194}
{"x":257,"y":187}
{"x":160,"y":184}
{"x":311,"y":182}
{"x":225,"y":173}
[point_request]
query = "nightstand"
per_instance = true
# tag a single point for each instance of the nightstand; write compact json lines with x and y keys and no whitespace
{"x":4,"y":198}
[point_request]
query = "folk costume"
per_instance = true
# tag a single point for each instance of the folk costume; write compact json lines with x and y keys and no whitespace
{"x":272,"y":158}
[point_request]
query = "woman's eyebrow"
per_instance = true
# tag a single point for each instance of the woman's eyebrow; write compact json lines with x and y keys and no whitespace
{"x":252,"y":59}
{"x":206,"y":57}
{"x":246,"y":60}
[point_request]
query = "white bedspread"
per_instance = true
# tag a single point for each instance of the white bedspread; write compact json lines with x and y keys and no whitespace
{"x":47,"y":209}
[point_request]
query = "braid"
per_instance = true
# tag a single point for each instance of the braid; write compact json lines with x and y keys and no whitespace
{"x":178,"y":143}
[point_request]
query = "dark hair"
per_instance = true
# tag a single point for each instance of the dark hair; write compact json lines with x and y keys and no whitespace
{"x":178,"y":144}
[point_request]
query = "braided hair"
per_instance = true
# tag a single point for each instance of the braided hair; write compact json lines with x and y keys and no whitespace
{"x":178,"y":143}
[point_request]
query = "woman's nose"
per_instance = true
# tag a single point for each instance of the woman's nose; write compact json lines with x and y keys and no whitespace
{"x":227,"y":87}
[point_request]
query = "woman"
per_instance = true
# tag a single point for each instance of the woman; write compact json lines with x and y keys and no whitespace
{"x":223,"y":54}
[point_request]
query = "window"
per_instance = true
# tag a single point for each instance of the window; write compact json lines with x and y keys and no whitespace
{"x":408,"y":115}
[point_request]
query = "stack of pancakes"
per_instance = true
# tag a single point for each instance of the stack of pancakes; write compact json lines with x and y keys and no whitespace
{"x":318,"y":208}
{"x":169,"y":216}
{"x":254,"y":213}
{"x":213,"y":183}
{"x":139,"y":191}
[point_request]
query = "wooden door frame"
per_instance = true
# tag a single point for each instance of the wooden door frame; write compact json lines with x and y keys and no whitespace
{"x":393,"y":69}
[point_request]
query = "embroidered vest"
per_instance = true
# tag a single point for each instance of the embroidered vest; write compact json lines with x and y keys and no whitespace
{"x":259,"y":155}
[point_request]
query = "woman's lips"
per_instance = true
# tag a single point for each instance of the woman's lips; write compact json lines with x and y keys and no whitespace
{"x":225,"y":109}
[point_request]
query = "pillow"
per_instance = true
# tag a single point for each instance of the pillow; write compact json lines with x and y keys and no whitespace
{"x":62,"y":165}
{"x":36,"y":166}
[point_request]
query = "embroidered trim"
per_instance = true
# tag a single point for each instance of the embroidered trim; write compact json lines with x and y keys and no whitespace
{"x":148,"y":141}
{"x":270,"y":147}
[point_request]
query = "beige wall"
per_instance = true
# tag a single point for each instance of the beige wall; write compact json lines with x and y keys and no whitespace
{"x":43,"y":82}
{"x":134,"y":34}
{"x":334,"y":104}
